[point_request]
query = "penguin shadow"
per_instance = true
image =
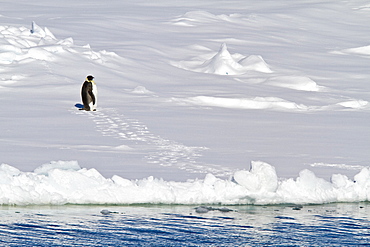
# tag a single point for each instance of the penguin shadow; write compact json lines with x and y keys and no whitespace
{"x":79,"y":106}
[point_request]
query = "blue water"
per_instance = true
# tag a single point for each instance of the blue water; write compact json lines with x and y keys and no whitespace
{"x":345,"y":224}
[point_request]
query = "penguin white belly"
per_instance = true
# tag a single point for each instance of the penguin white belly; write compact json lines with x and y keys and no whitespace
{"x":95,"y":92}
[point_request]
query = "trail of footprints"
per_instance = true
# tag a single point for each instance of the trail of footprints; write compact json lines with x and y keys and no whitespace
{"x":159,"y":151}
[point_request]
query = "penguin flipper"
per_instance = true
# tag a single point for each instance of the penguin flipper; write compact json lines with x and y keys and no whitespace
{"x":92,"y":97}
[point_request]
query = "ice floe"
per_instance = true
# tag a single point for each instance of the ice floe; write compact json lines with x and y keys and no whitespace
{"x":66,"y":182}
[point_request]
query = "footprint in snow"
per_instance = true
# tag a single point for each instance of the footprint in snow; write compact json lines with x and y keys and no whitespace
{"x":158,"y":150}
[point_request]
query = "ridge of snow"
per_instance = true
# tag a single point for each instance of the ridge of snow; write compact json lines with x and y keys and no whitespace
{"x":65,"y":182}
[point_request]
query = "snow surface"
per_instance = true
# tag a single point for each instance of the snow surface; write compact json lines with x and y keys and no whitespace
{"x":190,"y":94}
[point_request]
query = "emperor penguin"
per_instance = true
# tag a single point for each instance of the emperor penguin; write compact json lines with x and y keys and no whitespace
{"x":89,"y":94}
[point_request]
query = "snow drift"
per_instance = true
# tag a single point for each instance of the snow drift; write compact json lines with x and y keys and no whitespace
{"x":66,"y":182}
{"x":256,"y":103}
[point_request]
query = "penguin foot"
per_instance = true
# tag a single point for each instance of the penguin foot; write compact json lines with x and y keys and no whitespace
{"x":84,"y":109}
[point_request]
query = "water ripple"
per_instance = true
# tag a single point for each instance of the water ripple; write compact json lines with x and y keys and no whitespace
{"x":316,"y":225}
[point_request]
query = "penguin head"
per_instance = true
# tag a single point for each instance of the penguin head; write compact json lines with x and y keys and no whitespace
{"x":90,"y":77}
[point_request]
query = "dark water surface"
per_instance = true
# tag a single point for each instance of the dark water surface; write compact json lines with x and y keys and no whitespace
{"x":340,"y":224}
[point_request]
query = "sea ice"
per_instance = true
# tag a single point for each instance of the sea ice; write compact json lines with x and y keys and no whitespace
{"x":65,"y":182}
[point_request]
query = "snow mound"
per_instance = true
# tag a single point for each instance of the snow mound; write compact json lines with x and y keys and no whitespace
{"x":340,"y":166}
{"x":141,"y":90}
{"x":256,"y":63}
{"x":256,"y":103}
{"x":224,"y":63}
{"x":65,"y":182}
{"x":261,"y":178}
{"x":363,"y":50}
{"x":63,"y":165}
{"x":22,"y":45}
{"x":365,"y":7}
{"x":196,"y":18}
{"x":268,"y":103}
{"x":354,"y":104}
{"x":295,"y":82}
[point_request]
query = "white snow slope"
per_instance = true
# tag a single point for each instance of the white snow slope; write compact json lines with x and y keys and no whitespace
{"x":190,"y":92}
